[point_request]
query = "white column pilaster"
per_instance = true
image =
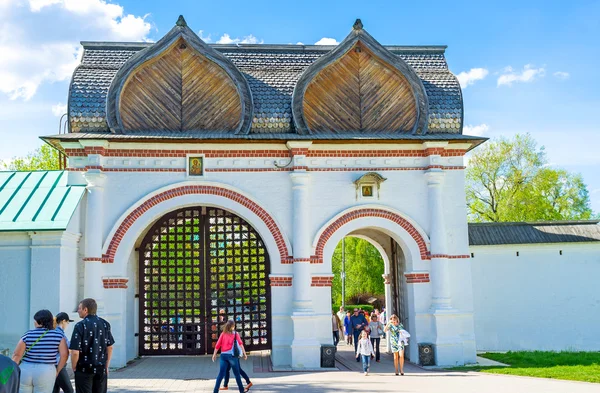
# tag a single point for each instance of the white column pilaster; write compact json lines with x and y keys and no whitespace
{"x":305,"y":347}
{"x":53,"y":271}
{"x":388,"y":299}
{"x":301,"y":242}
{"x":93,"y":287}
{"x":440,"y":278}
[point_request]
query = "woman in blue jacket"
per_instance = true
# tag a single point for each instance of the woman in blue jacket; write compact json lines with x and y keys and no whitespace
{"x":348,"y":328}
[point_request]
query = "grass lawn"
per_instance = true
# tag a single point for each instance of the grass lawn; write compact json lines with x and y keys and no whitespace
{"x":575,"y":366}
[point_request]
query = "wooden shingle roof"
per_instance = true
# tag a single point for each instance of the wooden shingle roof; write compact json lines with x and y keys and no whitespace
{"x":272,"y":73}
{"x":497,"y":233}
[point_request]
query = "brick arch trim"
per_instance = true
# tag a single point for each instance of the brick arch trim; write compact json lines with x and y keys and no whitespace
{"x":111,"y":251}
{"x":369,"y":212}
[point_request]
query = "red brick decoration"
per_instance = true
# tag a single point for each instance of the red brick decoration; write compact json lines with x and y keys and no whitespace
{"x":387,"y":153}
{"x":263,"y":153}
{"x":337,"y":224}
{"x":414,"y":278}
{"x":92,"y":259}
{"x":178,"y":153}
{"x":301,"y":260}
{"x":318,"y":281}
{"x":281,"y":281}
{"x":194,"y":190}
{"x":299,"y":151}
{"x":286,"y":169}
{"x":448,"y":256}
{"x":115,"y":283}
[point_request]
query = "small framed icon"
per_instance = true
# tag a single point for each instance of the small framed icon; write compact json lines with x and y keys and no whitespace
{"x":367,"y":191}
{"x":195,"y":166}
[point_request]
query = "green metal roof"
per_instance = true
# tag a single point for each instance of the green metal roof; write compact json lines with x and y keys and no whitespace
{"x":37,"y":201}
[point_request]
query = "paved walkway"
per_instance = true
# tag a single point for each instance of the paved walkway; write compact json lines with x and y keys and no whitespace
{"x":196,"y":374}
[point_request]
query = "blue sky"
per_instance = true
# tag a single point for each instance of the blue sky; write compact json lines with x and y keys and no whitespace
{"x":526,"y":66}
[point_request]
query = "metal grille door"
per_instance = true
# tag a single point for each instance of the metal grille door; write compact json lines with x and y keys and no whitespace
{"x":199,"y":267}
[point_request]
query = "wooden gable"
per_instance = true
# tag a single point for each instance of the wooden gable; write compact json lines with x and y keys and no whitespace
{"x":359,"y":92}
{"x":180,"y":90}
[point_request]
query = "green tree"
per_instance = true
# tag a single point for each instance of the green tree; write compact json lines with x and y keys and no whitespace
{"x":509,"y":180}
{"x":43,"y":158}
{"x":364,"y":267}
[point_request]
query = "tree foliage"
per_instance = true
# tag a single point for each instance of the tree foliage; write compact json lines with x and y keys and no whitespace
{"x":43,"y":158}
{"x":510,"y":180}
{"x":364,"y":267}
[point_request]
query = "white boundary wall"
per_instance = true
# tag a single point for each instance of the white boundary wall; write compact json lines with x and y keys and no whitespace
{"x":539,"y":300}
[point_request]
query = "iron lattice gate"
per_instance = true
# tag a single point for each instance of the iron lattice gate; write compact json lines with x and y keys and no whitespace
{"x":199,"y":267}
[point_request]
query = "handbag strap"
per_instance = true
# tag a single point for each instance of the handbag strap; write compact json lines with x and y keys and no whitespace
{"x":33,"y":345}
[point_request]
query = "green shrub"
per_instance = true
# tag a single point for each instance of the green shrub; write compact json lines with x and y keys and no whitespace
{"x":350,"y":307}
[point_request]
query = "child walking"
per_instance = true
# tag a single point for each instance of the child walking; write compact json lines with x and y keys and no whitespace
{"x":365,"y":351}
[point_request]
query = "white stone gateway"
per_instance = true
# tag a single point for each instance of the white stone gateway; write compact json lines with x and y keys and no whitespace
{"x":213,"y":182}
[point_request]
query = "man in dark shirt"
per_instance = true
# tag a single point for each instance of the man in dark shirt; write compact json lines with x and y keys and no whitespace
{"x":91,"y":349}
{"x":358,"y":323}
{"x":9,"y":375}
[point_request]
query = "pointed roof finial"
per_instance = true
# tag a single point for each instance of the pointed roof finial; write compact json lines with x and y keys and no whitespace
{"x":357,"y":25}
{"x":181,"y":22}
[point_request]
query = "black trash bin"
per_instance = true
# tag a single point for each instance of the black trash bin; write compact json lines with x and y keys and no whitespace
{"x":426,"y":354}
{"x":328,"y":355}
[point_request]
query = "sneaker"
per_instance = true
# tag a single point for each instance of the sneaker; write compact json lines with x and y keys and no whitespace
{"x":366,"y":373}
{"x":224,"y":388}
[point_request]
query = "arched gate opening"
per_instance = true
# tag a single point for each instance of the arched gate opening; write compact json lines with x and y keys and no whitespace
{"x":199,"y":267}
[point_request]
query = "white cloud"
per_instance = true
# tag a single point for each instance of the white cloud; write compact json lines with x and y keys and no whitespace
{"x":206,"y":39}
{"x":250,"y":39}
{"x":299,"y":43}
{"x":327,"y":41}
{"x":477,"y":130}
{"x":562,"y":75}
{"x":40,"y":42}
{"x":59,"y":109}
{"x":36,"y":5}
{"x":528,"y":74}
{"x":474,"y":74}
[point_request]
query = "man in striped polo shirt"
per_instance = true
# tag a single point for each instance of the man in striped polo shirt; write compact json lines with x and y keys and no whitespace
{"x":91,"y":349}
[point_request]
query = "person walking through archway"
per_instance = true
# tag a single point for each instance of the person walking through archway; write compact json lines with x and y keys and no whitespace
{"x":242,"y":375}
{"x":376,"y":329}
{"x":364,"y":350}
{"x":336,"y":326}
{"x":38,"y":349}
{"x":348,"y":328}
{"x":358,"y":323}
{"x":227,"y":345}
{"x":341,"y":315}
{"x":394,"y":327}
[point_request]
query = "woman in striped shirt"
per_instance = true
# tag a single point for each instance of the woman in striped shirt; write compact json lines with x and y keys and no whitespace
{"x":38,"y":349}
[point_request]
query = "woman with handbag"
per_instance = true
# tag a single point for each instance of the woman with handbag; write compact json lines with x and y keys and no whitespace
{"x":376,"y":329}
{"x":232,"y":349}
{"x":38,"y":349}
{"x":394,"y":327}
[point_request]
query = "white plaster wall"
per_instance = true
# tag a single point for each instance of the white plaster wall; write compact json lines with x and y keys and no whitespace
{"x":331,"y":192}
{"x":272,"y":189}
{"x":540,"y":300}
{"x":15,"y":256}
